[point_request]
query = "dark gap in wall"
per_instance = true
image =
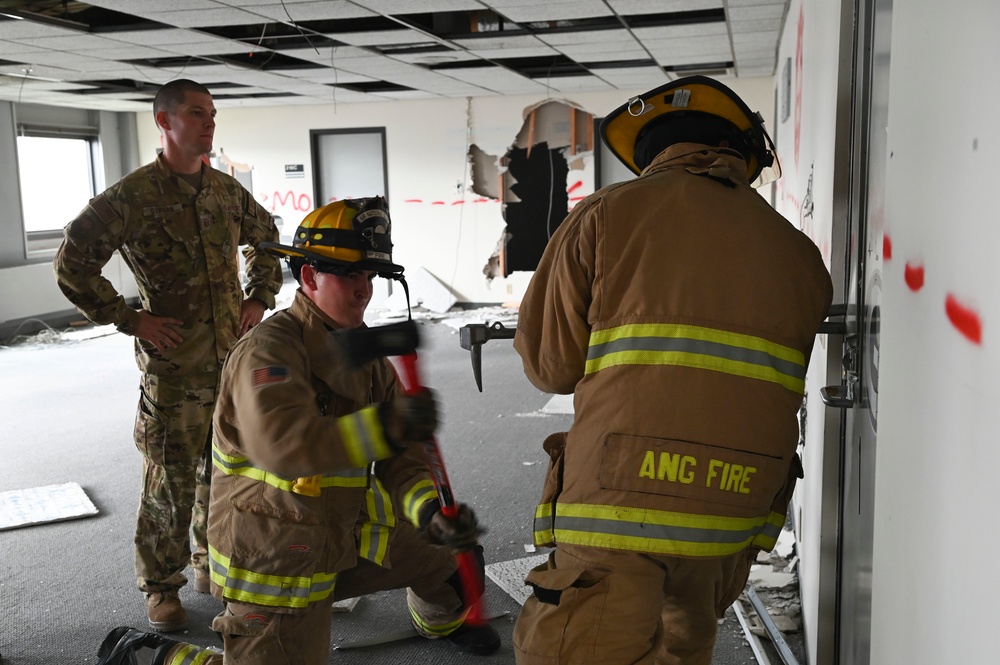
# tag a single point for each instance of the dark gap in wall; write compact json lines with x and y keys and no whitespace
{"x":541,"y":189}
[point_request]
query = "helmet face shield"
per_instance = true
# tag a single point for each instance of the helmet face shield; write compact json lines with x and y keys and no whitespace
{"x":351,"y":234}
{"x":686,"y":96}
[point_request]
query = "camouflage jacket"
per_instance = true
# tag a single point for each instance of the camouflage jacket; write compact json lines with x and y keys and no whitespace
{"x":180,"y":245}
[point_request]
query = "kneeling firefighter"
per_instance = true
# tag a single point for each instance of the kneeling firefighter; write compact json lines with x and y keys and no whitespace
{"x":321,"y":490}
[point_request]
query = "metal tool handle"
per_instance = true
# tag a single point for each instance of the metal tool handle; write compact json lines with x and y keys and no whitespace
{"x":449,"y":507}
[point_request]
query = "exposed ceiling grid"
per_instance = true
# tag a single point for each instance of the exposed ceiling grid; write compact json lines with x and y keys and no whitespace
{"x":113,"y":54}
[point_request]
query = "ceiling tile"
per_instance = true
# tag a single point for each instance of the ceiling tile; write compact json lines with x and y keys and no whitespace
{"x":381,"y":37}
{"x":327,"y":75}
{"x":166,"y":36}
{"x":7,"y":48}
{"x":407,"y":94}
{"x":71,"y":55}
{"x":497,"y":79}
{"x":436,"y":57}
{"x":756,"y":25}
{"x":757,"y":3}
{"x":575,"y":83}
{"x":136,"y":6}
{"x":425,"y":6}
{"x":526,"y":52}
{"x":618,"y":37}
{"x":70,"y":42}
{"x":682,"y":31}
{"x":500,"y":41}
{"x":556,"y":11}
{"x":203,"y":18}
{"x":757,"y":12}
{"x":308,"y":11}
{"x":13,"y":29}
{"x":633,"y":7}
{"x":756,"y":38}
{"x":604,"y":52}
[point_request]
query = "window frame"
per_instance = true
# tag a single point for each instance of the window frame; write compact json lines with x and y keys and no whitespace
{"x":43,"y":244}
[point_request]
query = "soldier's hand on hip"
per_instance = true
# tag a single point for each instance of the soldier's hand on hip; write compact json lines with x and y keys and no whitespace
{"x":251,"y":313}
{"x":160,"y":331}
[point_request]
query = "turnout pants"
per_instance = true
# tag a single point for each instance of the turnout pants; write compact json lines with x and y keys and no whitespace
{"x":173,"y":431}
{"x":613,"y":607}
{"x":255,"y":635}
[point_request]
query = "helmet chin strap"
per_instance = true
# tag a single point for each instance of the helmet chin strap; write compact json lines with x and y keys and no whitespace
{"x":406,"y":290}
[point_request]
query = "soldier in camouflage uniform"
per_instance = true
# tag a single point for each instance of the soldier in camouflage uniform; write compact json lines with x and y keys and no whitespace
{"x":178,"y":225}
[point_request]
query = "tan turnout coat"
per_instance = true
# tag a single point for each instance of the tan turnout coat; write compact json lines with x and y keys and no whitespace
{"x":681,"y":310}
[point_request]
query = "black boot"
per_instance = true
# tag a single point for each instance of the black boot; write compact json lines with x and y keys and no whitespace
{"x":128,"y":646}
{"x":479,"y":640}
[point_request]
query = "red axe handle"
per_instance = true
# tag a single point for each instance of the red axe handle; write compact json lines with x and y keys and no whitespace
{"x":466,"y":562}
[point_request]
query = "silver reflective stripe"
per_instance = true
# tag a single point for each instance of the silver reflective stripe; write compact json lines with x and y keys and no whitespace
{"x":656,"y":531}
{"x":282,"y":592}
{"x":361,"y":431}
{"x":698,"y":347}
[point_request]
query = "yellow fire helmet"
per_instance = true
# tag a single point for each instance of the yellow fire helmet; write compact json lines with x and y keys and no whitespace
{"x":687,"y":97}
{"x":350,"y":233}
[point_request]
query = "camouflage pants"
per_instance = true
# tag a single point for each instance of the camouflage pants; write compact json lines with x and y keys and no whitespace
{"x":173,"y":430}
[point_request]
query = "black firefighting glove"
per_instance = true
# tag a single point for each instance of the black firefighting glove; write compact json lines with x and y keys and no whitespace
{"x":461,"y":533}
{"x":410,"y":418}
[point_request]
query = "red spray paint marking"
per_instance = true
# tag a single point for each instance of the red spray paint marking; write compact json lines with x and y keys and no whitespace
{"x":413,"y":201}
{"x":966,"y":320}
{"x":914,"y":276}
{"x":886,"y":247}
{"x":575,"y":186}
{"x":437,"y":203}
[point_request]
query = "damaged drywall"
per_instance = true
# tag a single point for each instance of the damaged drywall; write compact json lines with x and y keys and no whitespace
{"x":530,"y":180}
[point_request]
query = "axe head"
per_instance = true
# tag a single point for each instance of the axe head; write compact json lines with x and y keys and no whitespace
{"x":363,"y":345}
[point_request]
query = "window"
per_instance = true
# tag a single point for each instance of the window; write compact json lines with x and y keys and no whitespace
{"x":57,"y":180}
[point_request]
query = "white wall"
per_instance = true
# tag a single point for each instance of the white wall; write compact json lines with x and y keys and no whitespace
{"x":936,"y":535}
{"x":438,"y":222}
{"x":806,"y":143}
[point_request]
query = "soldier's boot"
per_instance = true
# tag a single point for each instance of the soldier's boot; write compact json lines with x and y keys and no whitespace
{"x":202,"y":581}
{"x":165,"y":612}
{"x":128,"y":646}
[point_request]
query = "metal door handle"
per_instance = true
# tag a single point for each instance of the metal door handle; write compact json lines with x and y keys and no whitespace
{"x":843,"y":395}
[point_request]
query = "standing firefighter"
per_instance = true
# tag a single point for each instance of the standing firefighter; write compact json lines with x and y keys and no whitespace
{"x":178,"y":225}
{"x":680,"y":309}
{"x":321,"y":490}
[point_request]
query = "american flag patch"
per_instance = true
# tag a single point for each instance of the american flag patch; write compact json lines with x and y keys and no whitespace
{"x":271,"y":374}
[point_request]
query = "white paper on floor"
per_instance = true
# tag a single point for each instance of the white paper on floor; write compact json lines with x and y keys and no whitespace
{"x":39,"y":505}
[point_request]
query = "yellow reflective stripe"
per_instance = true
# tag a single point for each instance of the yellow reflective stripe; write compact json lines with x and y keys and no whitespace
{"x":247,"y":586}
{"x":375,"y":532}
{"x":189,"y":654}
{"x":543,"y":535}
{"x":698,"y":347}
{"x":437,"y":630}
{"x":379,"y":504}
{"x":374,"y":542}
{"x":241,"y":466}
{"x":418,"y":495}
{"x":655,"y":531}
{"x":364,"y":439}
